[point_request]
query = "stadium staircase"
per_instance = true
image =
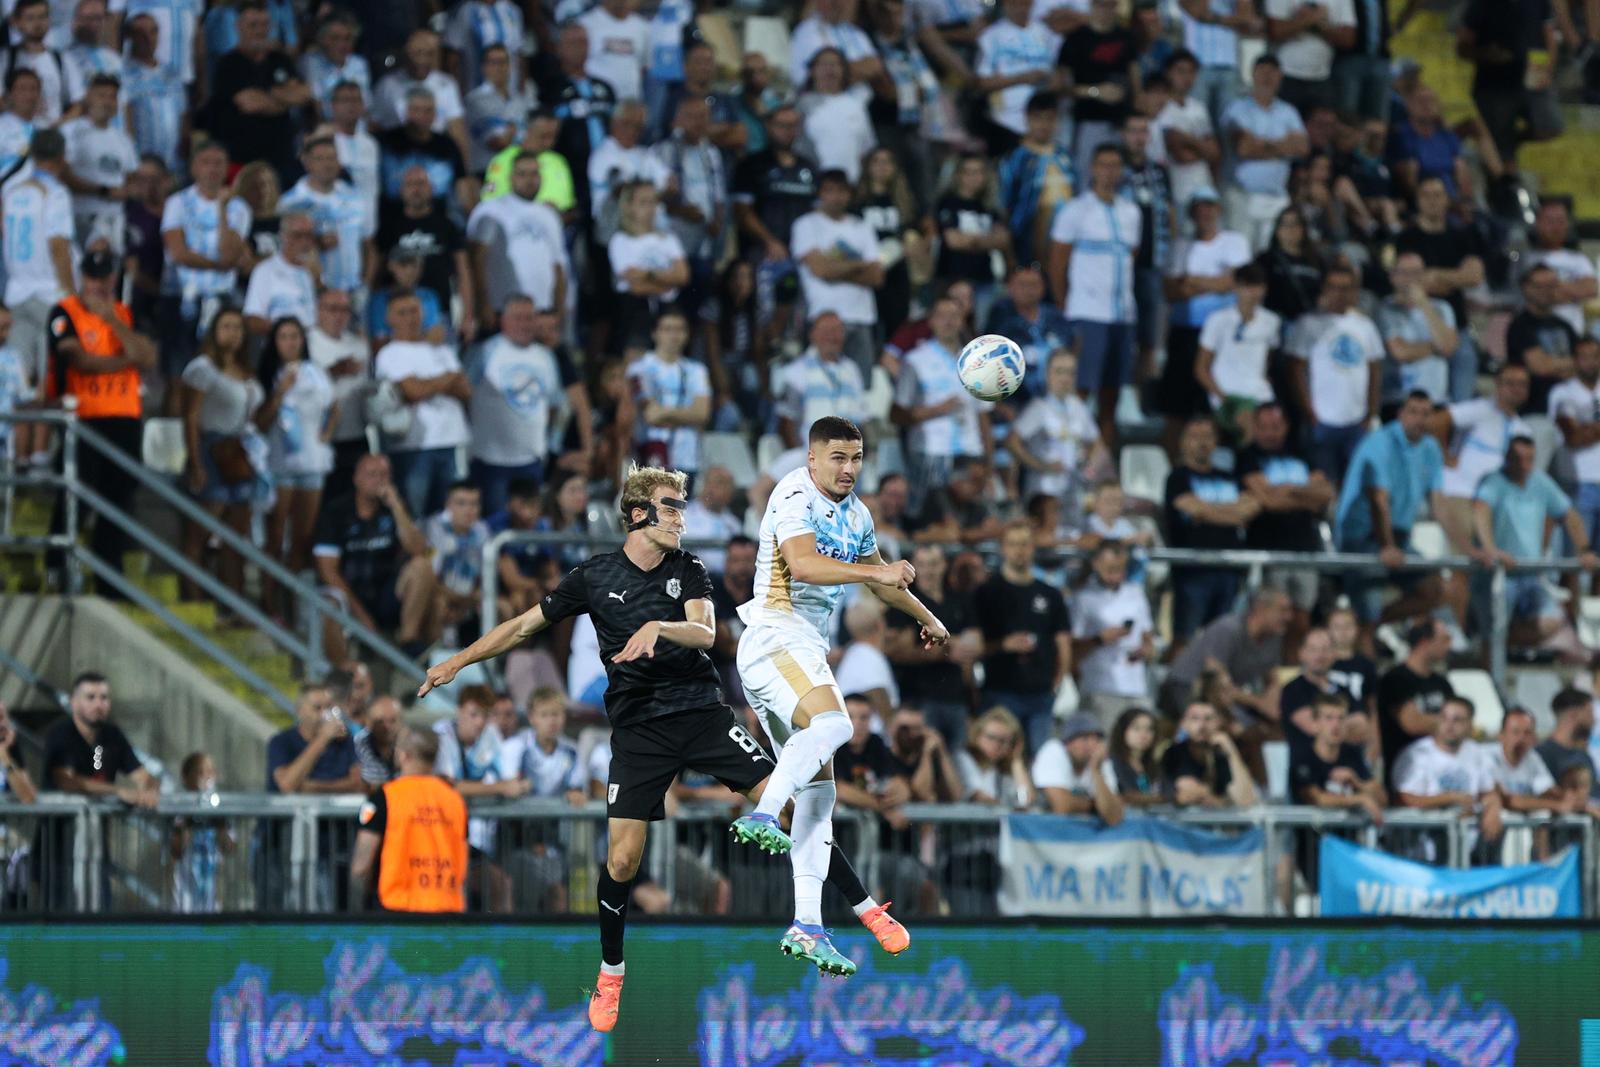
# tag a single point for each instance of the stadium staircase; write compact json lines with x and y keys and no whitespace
{"x":1562,"y":167}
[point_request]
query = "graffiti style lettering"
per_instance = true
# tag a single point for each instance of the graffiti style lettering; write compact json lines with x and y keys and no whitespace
{"x":1305,"y":1014}
{"x":946,"y":1018}
{"x":371,"y":1007}
{"x":33,"y":1030}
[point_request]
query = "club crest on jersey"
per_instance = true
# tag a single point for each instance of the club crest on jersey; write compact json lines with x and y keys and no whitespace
{"x":674,"y":588}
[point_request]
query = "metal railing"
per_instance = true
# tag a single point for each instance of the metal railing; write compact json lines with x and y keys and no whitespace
{"x":312,"y":608}
{"x":269,"y":853}
{"x":1255,"y":563}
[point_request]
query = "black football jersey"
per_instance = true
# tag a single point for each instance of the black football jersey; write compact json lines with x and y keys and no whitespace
{"x":620,"y":598}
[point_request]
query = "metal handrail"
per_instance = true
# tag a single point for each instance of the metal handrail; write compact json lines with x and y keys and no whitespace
{"x":313,"y":606}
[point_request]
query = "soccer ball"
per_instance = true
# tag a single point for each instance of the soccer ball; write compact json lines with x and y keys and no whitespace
{"x":991,"y":366}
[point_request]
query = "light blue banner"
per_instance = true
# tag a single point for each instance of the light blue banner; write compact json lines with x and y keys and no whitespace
{"x":1360,"y":881}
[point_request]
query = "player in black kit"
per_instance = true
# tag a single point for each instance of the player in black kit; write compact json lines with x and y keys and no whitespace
{"x":651,"y":606}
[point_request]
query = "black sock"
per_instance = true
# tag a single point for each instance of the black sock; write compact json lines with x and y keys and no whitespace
{"x":613,"y":898}
{"x":843,"y":877}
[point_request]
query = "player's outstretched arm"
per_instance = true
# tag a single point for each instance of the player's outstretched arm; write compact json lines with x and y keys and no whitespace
{"x":902,"y":598}
{"x":808,"y":565}
{"x":697,"y":630}
{"x":497,"y":642}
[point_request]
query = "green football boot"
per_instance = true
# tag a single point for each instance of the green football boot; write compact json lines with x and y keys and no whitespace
{"x":763,"y":832}
{"x":811,"y":943}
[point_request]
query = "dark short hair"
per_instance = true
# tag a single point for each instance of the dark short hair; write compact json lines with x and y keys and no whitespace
{"x":671,"y":311}
{"x":522,"y":489}
{"x":341,"y":86}
{"x":27,"y":3}
{"x":1043,"y":100}
{"x":861,"y":697}
{"x":833,"y":428}
{"x":1251,"y":273}
{"x":741,"y":541}
{"x":462,"y":485}
{"x":1570,"y":699}
{"x":1537,"y":268}
{"x":1422,"y":630}
{"x":1472,"y":709}
{"x":833,"y":176}
{"x":1181,"y":55}
{"x":20,"y":72}
{"x":1418,"y":394}
{"x":87,"y":678}
{"x":1111,"y":148}
{"x":1268,"y":59}
{"x":106,"y":81}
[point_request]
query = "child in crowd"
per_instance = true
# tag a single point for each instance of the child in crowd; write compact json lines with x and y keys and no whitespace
{"x":198,"y":843}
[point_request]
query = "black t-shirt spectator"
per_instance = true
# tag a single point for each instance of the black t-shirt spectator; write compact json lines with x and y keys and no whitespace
{"x":1307,"y":769}
{"x":1395,"y":689}
{"x":1514,"y":26}
{"x":780,"y":194}
{"x":433,"y":237}
{"x":871,"y":769}
{"x":1184,"y":760}
{"x":941,"y":682}
{"x":1548,"y":332}
{"x":1445,"y":249}
{"x":370,"y":556}
{"x":1357,"y":678}
{"x":1285,"y":531}
{"x":437,"y":154}
{"x":1293,"y":284}
{"x":250,"y":137}
{"x":101,"y":760}
{"x":1213,"y":487}
{"x":964,"y":215}
{"x":1006,"y":608}
{"x":1299,"y":693}
{"x":1094,"y":59}
{"x":1560,"y":759}
{"x":286,"y":746}
{"x":584,"y":111}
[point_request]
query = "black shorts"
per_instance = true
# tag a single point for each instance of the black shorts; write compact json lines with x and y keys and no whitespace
{"x":645,"y":758}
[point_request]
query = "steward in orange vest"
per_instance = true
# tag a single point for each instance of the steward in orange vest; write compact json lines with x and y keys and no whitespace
{"x":413,"y":830}
{"x":96,"y":357}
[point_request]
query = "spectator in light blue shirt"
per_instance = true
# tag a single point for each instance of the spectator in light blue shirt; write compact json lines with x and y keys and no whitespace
{"x":1394,"y":470}
{"x":1509,"y":516}
{"x":1264,"y":135}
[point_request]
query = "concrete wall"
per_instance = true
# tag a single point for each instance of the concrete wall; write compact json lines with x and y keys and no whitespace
{"x":166,"y":706}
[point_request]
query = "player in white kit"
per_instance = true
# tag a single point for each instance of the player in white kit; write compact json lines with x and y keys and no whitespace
{"x":816,"y":538}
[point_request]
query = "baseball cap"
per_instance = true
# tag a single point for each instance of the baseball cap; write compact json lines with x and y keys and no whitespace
{"x":1079,"y":725}
{"x":98,"y":264}
{"x":1204,"y":194}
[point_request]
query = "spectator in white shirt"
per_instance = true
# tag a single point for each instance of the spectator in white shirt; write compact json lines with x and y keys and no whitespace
{"x":100,"y":156}
{"x":622,"y":158}
{"x":516,"y":390}
{"x":518,"y":246}
{"x":285,"y":283}
{"x":1055,"y":439}
{"x":1264,"y":134}
{"x":358,"y":149}
{"x":475,"y":28}
{"x":1182,"y":135}
{"x":87,"y":50}
{"x":943,"y":421}
{"x":1518,"y":772}
{"x":1016,"y":57}
{"x":1068,"y":771}
{"x":672,"y":396}
{"x":333,"y":61}
{"x":1552,"y":230}
{"x":831,"y":25}
{"x":993,"y":764}
{"x":619,"y":42}
{"x":1236,"y":344}
{"x":819,"y":383}
{"x":1307,"y":36}
{"x":837,"y":124}
{"x":710,"y":517}
{"x":1419,"y":332}
{"x":840,"y":267}
{"x":864,"y":668}
{"x":1093,"y":243}
{"x":345,"y":224}
{"x":1113,"y":636}
{"x":1575,"y":407}
{"x":430,"y":380}
{"x":497,"y":110}
{"x":419,"y":69}
{"x":345,"y":357}
{"x":60,"y":82}
{"x":1337,"y":372}
{"x":648,"y":266}
{"x":456,"y":537}
{"x":1435,"y":772}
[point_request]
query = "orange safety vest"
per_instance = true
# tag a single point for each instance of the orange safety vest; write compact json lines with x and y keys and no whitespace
{"x":423,"y":865}
{"x":101,"y":396}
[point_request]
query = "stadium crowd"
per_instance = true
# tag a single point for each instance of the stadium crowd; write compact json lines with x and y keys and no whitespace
{"x":412,"y":276}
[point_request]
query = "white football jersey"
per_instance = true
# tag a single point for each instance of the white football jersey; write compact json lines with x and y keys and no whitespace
{"x":844,"y":531}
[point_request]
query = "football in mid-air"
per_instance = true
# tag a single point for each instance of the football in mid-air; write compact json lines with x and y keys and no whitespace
{"x":991,"y":366}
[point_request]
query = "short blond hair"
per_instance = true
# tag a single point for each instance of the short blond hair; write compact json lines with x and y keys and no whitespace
{"x":641,"y":484}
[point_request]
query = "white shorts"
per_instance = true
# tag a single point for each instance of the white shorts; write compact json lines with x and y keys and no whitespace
{"x":778,"y":668}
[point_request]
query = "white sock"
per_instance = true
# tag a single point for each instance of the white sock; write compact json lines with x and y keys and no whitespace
{"x":812,"y":831}
{"x":612,"y":968}
{"x":805,"y":753}
{"x":864,"y":907}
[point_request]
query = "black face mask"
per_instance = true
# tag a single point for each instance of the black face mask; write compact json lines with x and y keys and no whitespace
{"x":651,"y":518}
